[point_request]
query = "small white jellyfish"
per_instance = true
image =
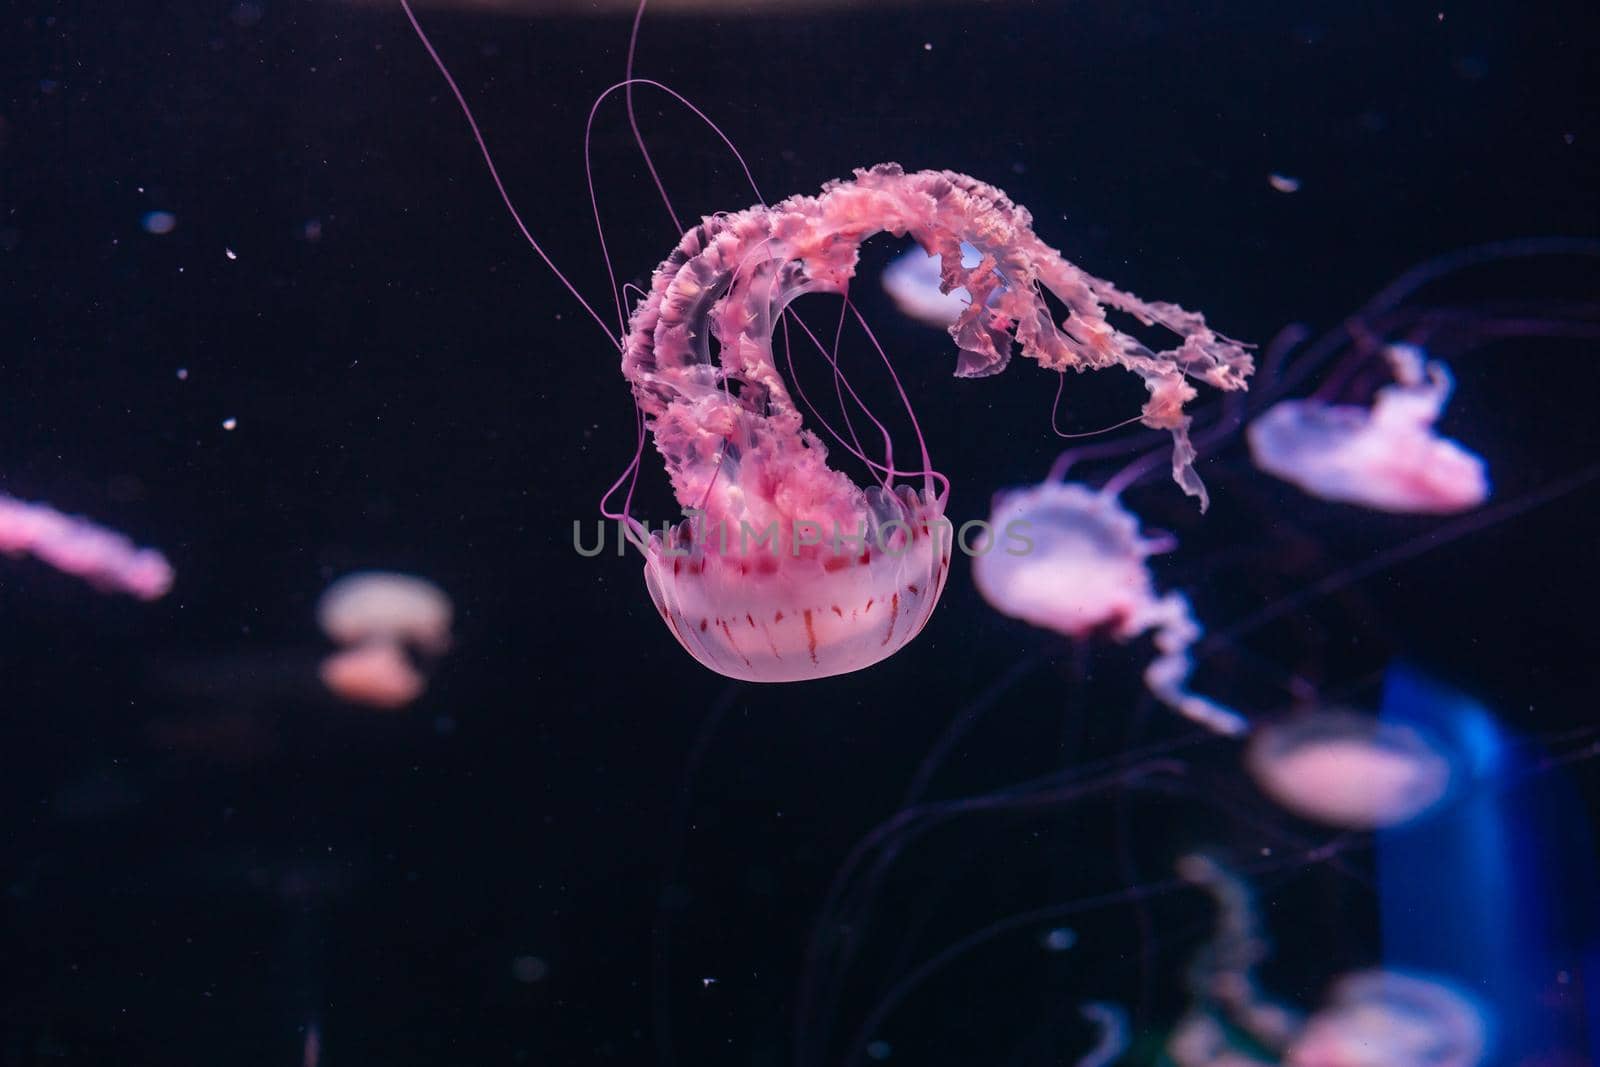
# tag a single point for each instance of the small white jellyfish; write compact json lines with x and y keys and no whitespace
{"x":913,"y":280}
{"x":379,"y":616}
{"x":1072,"y":560}
{"x":1349,"y":770}
{"x":377,"y":674}
{"x":1388,"y":458}
{"x":1382,"y":1018}
{"x":378,"y":605}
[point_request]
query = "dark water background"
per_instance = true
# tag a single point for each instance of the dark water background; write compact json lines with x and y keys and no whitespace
{"x":203,"y":855}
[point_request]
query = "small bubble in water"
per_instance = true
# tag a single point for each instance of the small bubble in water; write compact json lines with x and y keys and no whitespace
{"x":529,"y":969}
{"x":1060,"y":939}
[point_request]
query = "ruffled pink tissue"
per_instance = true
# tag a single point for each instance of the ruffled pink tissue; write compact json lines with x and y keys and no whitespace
{"x":699,"y":355}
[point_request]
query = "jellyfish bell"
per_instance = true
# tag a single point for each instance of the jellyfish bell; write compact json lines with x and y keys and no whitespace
{"x":382,"y":606}
{"x":1389,"y":458}
{"x":1384,"y":1018}
{"x":376,"y":673}
{"x":786,"y":601}
{"x":1071,"y":559}
{"x":1349,"y":770}
{"x":1074,"y":561}
{"x":739,"y":458}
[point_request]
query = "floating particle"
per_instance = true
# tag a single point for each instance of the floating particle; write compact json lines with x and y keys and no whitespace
{"x":230,"y":253}
{"x":1060,"y":939}
{"x":529,"y":969}
{"x":159,"y":223}
{"x":230,"y":424}
{"x":1283,"y":183}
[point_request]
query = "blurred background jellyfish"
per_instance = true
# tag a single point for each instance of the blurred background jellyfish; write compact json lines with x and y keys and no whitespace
{"x":104,"y":558}
{"x":1371,"y":1018}
{"x":380,"y":617}
{"x":1074,"y":561}
{"x":1382,"y":1018}
{"x":913,"y":281}
{"x":1388,"y":458}
{"x":1346,"y":769}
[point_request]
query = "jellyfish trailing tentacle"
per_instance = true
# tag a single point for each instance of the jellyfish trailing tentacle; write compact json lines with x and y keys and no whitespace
{"x":842,"y":577}
{"x":73,"y":545}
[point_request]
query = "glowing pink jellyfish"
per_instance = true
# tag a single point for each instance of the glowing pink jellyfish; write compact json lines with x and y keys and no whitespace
{"x":1067,"y":558}
{"x":1388,"y":458}
{"x":103,"y":558}
{"x":786,"y":569}
{"x":1348,"y":770}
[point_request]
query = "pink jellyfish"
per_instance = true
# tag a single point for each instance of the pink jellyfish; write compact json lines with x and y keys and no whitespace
{"x":842,"y":577}
{"x":1348,"y":770}
{"x":1074,"y":561}
{"x":1372,"y":1018}
{"x":1388,"y":458}
{"x":103,"y":558}
{"x":378,"y":616}
{"x":786,"y":569}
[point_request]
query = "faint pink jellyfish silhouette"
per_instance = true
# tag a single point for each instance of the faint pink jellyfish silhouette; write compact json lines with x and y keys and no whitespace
{"x":379,"y":615}
{"x":376,"y":674}
{"x":1388,"y":458}
{"x":1081,"y":571}
{"x":1383,"y":1018}
{"x":1372,"y":1018}
{"x":857,"y":571}
{"x":384,"y":606}
{"x":103,"y":558}
{"x":1349,"y":770}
